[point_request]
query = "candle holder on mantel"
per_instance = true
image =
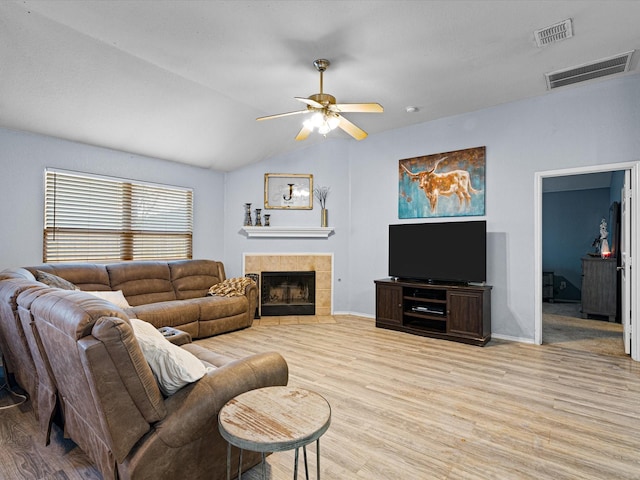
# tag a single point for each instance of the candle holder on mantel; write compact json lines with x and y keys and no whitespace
{"x":258,"y":219}
{"x":247,"y":215}
{"x":267,"y":218}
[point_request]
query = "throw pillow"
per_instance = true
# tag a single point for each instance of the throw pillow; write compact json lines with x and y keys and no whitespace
{"x":54,"y":281}
{"x":231,"y":287}
{"x":117,"y":297}
{"x":173,"y":367}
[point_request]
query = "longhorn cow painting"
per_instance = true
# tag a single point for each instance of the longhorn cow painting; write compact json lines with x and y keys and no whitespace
{"x":447,"y":184}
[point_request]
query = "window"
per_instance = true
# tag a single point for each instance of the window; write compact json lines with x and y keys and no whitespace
{"x":89,"y":218}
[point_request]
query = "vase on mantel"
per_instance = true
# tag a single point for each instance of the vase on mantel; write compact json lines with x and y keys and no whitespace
{"x":324,"y":217}
{"x":247,"y":215}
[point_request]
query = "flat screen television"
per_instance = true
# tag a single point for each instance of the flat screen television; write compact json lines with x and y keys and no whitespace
{"x":444,"y":252}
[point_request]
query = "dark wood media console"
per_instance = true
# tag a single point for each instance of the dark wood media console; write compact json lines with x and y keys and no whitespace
{"x":452,"y":312}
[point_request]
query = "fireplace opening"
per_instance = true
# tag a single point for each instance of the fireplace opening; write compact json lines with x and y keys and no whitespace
{"x":288,"y":293}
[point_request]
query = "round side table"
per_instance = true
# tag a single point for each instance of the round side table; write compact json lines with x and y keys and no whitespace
{"x":274,"y":419}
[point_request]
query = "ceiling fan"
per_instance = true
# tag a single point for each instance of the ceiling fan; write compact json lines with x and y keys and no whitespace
{"x":326,"y":113}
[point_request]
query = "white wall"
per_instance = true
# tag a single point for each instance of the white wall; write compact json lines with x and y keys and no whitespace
{"x":329,"y":164}
{"x":587,"y":125}
{"x":23,"y":158}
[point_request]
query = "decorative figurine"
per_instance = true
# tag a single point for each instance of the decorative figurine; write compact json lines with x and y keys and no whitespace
{"x":247,"y":215}
{"x":605,"y":252}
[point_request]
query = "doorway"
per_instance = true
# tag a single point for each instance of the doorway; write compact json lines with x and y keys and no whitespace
{"x":556,"y":179}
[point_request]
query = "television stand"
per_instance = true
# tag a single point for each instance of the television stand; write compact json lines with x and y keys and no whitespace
{"x":461,"y":313}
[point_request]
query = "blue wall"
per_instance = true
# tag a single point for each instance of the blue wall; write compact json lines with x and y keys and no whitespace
{"x":570,"y":223}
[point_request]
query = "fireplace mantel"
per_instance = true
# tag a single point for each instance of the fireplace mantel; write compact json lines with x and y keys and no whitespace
{"x":288,"y":232}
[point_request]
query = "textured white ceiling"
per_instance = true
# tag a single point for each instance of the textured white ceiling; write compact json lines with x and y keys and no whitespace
{"x":185,"y":80}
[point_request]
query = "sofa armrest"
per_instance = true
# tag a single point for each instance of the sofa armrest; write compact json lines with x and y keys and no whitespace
{"x":192,"y":410}
{"x":251,"y":292}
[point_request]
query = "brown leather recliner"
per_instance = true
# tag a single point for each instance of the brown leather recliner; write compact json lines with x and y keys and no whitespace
{"x":46,"y":401}
{"x":23,"y":353}
{"x":13,"y":343}
{"x":113,"y":407}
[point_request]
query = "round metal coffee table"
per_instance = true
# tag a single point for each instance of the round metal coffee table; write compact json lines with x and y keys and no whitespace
{"x":274,"y":419}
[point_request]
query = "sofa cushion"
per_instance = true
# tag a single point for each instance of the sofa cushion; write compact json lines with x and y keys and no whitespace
{"x":214,"y":307}
{"x":85,"y":276}
{"x":207,"y":356}
{"x":119,"y":339}
{"x":172,"y":366}
{"x":73,"y":313}
{"x":192,"y":278}
{"x":117,"y":298}
{"x":142,"y":282}
{"x":17,"y":272}
{"x":54,"y":281}
{"x":169,"y":314}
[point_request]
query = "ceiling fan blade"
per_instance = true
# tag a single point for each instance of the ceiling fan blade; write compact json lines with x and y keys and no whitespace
{"x":269,"y":117}
{"x":310,"y":102}
{"x":357,"y":107}
{"x":353,"y":130}
{"x":303,"y":133}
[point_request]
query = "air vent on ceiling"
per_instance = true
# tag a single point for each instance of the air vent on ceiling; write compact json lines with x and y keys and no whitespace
{"x":601,"y":68}
{"x":554,"y":33}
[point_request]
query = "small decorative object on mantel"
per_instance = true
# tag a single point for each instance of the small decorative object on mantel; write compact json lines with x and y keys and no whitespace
{"x":247,"y":215}
{"x":267,"y":218}
{"x":258,"y":218}
{"x":321,"y":193}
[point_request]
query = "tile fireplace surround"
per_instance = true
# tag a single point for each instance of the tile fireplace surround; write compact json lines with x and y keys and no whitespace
{"x":321,"y":263}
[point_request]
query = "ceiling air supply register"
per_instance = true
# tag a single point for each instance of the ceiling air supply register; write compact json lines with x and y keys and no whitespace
{"x":604,"y":67}
{"x":620,"y":63}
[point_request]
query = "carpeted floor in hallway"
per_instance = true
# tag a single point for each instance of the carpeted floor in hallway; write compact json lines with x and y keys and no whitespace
{"x":563,"y":327}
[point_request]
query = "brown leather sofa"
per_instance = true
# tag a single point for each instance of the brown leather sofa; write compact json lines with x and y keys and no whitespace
{"x":113,"y":407}
{"x":165,"y":294}
{"x":16,"y":351}
{"x":77,"y":358}
{"x":22,"y":353}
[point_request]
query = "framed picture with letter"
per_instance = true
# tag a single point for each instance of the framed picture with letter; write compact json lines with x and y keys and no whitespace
{"x":291,"y":191}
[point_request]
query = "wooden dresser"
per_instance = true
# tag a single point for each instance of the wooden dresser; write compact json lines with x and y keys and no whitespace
{"x":599,"y":286}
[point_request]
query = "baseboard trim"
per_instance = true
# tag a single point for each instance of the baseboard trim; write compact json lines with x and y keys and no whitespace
{"x":512,"y":339}
{"x":356,"y":314}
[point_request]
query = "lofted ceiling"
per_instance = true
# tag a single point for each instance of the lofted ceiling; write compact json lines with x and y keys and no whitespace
{"x":185,"y":80}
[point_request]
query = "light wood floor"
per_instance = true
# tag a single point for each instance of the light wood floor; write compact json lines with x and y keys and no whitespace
{"x":408,"y":407}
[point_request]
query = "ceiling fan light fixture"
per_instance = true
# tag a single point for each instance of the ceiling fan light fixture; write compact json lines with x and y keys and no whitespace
{"x":326,"y":114}
{"x":317,"y":120}
{"x":333,"y":121}
{"x":324,"y":129}
{"x":323,"y":122}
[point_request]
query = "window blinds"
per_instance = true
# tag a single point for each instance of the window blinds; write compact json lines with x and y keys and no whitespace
{"x":89,"y":218}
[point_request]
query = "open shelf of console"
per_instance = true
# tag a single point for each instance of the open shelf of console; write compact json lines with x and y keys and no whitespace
{"x":453,"y":312}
